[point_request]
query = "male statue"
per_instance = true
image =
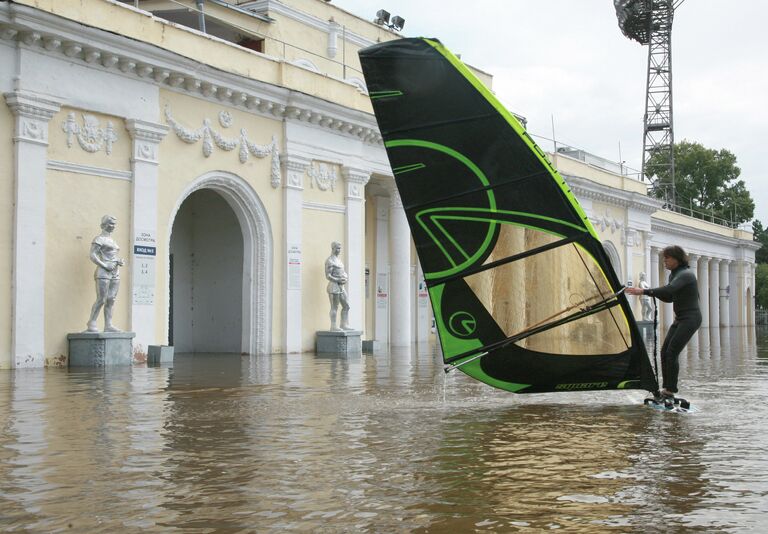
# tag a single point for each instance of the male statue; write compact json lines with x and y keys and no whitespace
{"x":645,"y":300}
{"x":337,"y":294}
{"x":104,"y":254}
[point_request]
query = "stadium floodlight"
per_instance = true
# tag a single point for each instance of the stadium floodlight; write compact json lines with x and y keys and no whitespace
{"x":382,"y":17}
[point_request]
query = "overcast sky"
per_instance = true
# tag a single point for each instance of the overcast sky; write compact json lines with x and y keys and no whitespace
{"x":567,"y":62}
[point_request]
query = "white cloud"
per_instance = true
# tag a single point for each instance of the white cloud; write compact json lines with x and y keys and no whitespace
{"x":568,"y":59}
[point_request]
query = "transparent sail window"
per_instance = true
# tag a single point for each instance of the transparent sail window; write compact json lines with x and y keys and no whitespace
{"x":547,"y":287}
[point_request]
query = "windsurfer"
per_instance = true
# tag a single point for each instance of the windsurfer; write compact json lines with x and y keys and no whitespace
{"x":683,"y":291}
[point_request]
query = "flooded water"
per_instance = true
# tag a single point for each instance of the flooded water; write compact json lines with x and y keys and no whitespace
{"x":380,"y":443}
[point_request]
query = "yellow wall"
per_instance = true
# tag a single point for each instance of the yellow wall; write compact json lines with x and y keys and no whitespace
{"x":75,"y":204}
{"x":320,"y":229}
{"x":183,"y":163}
{"x":6,"y":232}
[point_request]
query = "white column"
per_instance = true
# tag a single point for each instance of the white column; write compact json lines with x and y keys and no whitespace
{"x":30,"y":153}
{"x":752,"y":316}
{"x":725,"y":312}
{"x":145,"y":167}
{"x":381,"y":283}
{"x":740,"y":296}
{"x":423,"y":321}
{"x":355,"y":241}
{"x":293,"y":192}
{"x":400,"y":284}
{"x":714,"y":293}
{"x":703,"y":277}
{"x":693,"y":261}
{"x":647,"y":253}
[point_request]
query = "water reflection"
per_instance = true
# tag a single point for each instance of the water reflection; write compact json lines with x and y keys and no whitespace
{"x":379,"y":442}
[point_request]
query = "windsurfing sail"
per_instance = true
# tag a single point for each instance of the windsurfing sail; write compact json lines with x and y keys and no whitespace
{"x":523,"y":293}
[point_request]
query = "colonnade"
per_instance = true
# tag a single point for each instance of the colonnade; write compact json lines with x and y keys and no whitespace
{"x":726,"y":289}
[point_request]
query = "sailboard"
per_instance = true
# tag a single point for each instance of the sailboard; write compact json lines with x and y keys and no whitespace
{"x":523,"y":292}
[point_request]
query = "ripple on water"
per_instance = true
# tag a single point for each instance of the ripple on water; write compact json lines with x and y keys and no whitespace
{"x":379,"y":443}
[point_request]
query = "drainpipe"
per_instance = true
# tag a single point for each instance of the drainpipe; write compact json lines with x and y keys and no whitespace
{"x":200,"y":15}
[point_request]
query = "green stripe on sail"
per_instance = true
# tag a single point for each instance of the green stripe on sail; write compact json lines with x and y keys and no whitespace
{"x":384,"y":94}
{"x":408,"y":168}
{"x":515,"y":124}
{"x":483,"y":180}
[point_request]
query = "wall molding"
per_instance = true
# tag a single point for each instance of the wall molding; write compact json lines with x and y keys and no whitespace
{"x":317,"y":206}
{"x":78,"y":168}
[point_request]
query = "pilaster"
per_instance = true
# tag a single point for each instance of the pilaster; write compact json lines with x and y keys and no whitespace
{"x":703,"y":278}
{"x":145,"y":152}
{"x":32,"y":113}
{"x":400,"y":256}
{"x":725,"y":293}
{"x":381,"y":308}
{"x":294,"y":168}
{"x":356,"y":181}
{"x":714,"y":293}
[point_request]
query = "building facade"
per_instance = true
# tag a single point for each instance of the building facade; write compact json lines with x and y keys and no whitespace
{"x":231,"y":159}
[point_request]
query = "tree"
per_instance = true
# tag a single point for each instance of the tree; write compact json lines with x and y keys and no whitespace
{"x":706,"y":182}
{"x":761,"y":236}
{"x":761,"y":286}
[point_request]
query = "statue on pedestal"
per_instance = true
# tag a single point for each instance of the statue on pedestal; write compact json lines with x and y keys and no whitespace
{"x":645,"y":300}
{"x":337,"y":294}
{"x":107,"y":276}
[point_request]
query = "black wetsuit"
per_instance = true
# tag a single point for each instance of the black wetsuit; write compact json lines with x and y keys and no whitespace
{"x":683,"y":291}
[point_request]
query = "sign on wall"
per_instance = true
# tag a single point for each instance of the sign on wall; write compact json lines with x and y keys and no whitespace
{"x":144,"y":257}
{"x":294,"y":266}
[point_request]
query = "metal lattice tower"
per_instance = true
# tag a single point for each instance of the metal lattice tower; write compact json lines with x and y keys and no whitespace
{"x":649,"y":22}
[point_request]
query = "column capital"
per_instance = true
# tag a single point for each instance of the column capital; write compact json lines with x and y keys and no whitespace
{"x":146,"y":136}
{"x":32,"y":105}
{"x":146,"y":131}
{"x":396,"y":203}
{"x":33,"y":112}
{"x":295,"y":167}
{"x":356,"y":181}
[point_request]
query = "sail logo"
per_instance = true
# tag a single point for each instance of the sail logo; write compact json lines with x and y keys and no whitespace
{"x":462,"y":324}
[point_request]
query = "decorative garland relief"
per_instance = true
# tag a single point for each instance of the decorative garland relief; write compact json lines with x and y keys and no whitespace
{"x":324,"y":176}
{"x":90,"y":135}
{"x":213,"y":138}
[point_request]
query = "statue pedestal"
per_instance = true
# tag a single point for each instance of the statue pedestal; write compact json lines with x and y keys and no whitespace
{"x":100,"y":349}
{"x":339,"y":342}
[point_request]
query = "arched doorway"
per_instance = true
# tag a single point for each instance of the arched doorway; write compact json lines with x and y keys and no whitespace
{"x":220,"y":266}
{"x":613,"y":256}
{"x":206,"y":276}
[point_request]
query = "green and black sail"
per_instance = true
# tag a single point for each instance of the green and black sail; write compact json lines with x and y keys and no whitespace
{"x":523,"y":293}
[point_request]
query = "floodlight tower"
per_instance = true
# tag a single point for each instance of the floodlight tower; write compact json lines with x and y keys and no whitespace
{"x":649,"y":22}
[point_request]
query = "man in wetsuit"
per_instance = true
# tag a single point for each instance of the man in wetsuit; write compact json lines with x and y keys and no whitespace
{"x":683,"y":291}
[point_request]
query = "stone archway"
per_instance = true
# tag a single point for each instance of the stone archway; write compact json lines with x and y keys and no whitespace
{"x":613,"y":256}
{"x":257,"y":254}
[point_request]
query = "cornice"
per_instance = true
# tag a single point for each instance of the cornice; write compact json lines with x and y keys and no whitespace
{"x":584,"y":188}
{"x":52,"y":35}
{"x":666,"y":227}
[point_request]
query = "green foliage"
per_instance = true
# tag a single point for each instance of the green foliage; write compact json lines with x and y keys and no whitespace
{"x":761,"y":236}
{"x":706,"y":182}
{"x":761,"y":285}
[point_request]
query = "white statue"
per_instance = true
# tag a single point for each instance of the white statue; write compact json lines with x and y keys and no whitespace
{"x":337,"y":294}
{"x":645,"y":300}
{"x":104,"y":254}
